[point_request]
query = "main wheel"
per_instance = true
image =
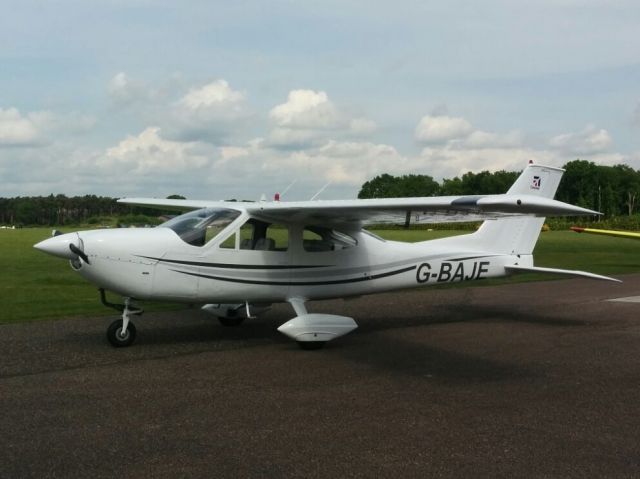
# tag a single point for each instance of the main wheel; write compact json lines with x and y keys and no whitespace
{"x":115,"y":336}
{"x":231,"y":321}
{"x":311,"y":345}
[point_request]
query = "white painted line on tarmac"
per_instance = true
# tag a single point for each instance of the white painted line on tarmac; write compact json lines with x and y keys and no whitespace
{"x":628,"y":299}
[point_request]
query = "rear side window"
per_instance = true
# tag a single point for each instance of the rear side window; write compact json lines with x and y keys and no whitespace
{"x":316,"y":239}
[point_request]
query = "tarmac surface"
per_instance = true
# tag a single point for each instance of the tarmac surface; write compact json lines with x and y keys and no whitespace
{"x":523,"y":380}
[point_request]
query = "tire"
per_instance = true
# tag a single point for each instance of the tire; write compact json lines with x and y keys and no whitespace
{"x":114,"y":337}
{"x":231,"y":321}
{"x":311,"y":345}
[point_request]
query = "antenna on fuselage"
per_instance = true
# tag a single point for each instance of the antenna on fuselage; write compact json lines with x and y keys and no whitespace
{"x":320,"y":191}
{"x":288,"y":188}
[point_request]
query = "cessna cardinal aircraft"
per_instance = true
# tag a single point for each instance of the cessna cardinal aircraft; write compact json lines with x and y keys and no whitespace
{"x":238,"y":258}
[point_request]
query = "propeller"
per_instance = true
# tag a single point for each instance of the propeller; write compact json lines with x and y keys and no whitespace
{"x":77,"y":251}
{"x":77,"y":248}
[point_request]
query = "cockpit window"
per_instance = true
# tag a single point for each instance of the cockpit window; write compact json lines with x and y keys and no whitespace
{"x":199,"y":227}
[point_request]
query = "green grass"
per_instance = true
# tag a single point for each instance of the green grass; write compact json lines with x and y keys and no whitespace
{"x":35,"y":286}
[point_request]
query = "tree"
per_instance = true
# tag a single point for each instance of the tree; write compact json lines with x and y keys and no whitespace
{"x":387,"y":186}
{"x":579,"y":184}
{"x":628,"y":182}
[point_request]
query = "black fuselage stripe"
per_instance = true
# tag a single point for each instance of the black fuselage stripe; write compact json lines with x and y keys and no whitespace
{"x":301,"y":283}
{"x":236,"y":266}
{"x":472,"y":257}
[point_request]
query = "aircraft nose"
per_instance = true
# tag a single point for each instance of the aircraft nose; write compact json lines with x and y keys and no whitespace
{"x":59,"y":245}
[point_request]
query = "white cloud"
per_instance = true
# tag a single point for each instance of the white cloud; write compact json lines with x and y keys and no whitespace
{"x":230,"y":152}
{"x":310,"y":118}
{"x":448,"y":162}
{"x":438,"y":129}
{"x":481,"y":139}
{"x":349,"y":162}
{"x":125,"y":90}
{"x":149,"y":153}
{"x":208,"y":113}
{"x":589,"y":141}
{"x":454,"y":147}
{"x":306,"y":109}
{"x":17,"y":129}
{"x":212,"y":95}
{"x":341,"y":162}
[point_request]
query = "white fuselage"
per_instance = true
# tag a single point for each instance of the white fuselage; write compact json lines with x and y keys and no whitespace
{"x":156,"y":264}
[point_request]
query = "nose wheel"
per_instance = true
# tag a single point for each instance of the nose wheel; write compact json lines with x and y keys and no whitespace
{"x":120,"y":338}
{"x":122,"y":332}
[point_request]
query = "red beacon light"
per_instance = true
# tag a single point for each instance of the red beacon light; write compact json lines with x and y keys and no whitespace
{"x":276,"y":197}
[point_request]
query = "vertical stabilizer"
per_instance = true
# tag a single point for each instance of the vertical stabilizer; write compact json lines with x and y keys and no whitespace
{"x":519,"y":235}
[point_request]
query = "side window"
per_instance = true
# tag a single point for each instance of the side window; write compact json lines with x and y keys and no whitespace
{"x":246,"y":235}
{"x":279,"y":234}
{"x":313,"y":241}
{"x":316,"y":239}
{"x":229,"y":243}
{"x":260,"y":236}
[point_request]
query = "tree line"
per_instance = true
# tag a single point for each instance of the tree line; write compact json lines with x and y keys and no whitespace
{"x":612,"y":190}
{"x":60,"y":210}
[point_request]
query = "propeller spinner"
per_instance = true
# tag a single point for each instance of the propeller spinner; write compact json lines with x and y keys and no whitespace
{"x":69,"y":246}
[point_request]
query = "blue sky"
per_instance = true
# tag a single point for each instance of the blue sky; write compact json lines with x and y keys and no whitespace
{"x":235,"y":99}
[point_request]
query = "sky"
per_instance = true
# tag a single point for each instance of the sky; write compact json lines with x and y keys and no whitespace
{"x":219,"y":100}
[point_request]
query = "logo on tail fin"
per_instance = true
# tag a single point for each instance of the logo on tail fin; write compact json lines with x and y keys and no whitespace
{"x":535,"y":184}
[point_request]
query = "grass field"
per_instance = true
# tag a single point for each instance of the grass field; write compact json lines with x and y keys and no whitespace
{"x":35,"y":286}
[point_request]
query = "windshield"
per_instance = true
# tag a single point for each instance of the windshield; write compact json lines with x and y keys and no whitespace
{"x":199,"y":227}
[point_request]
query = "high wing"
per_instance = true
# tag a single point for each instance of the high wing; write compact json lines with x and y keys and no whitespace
{"x":440,"y":209}
{"x":619,"y":234}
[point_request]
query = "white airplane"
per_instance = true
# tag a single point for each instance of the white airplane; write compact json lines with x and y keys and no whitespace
{"x":238,"y":258}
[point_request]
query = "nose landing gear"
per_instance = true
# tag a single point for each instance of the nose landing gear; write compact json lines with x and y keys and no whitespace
{"x":122,"y":332}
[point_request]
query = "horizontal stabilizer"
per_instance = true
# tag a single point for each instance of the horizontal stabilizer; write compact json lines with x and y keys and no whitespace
{"x":568,"y":272}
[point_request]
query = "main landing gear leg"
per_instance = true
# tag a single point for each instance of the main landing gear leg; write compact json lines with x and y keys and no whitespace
{"x":122,"y":332}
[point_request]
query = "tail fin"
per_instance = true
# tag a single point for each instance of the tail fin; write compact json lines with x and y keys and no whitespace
{"x":519,"y":235}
